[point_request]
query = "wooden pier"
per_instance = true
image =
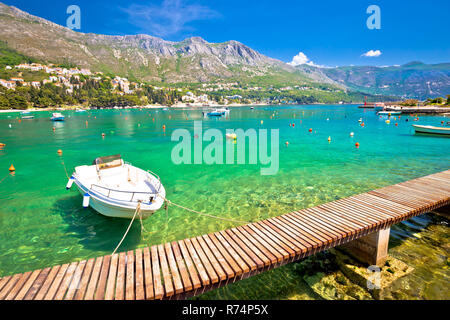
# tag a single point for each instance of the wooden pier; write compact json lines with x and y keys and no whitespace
{"x":189,"y":267}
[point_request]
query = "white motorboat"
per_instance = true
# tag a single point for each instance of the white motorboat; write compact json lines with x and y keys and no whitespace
{"x":432,"y":130}
{"x":114,"y":188}
{"x":56,"y":116}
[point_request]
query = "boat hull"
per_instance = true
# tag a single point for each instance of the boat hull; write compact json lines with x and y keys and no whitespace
{"x":57,"y":119}
{"x":432,"y":130}
{"x":119,"y":209}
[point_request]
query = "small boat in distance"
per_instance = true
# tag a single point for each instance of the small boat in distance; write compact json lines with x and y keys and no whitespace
{"x":80,"y":110}
{"x":389,"y":113}
{"x":56,"y":116}
{"x":432,"y":130}
{"x":26,"y":115}
{"x":114,"y":188}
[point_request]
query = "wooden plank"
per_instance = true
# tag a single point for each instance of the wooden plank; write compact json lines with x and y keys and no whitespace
{"x":205,"y":262}
{"x":308,"y":230}
{"x":148,"y":275}
{"x":157,"y":283}
{"x":26,"y":287}
{"x":327,"y":235}
{"x":129,"y":285}
{"x":244,"y":247}
{"x":197,"y":262}
{"x":94,"y":279}
{"x":177,"y":283}
{"x":281,"y":237}
{"x":112,"y":277}
{"x":75,"y":283}
{"x":66,"y":281}
{"x":315,"y":239}
{"x":280,"y":246}
{"x":312,"y":218}
{"x":48,"y":281}
{"x":219,"y":241}
{"x":167,"y":277}
{"x":20,"y":283}
{"x":298,"y":246}
{"x":103,"y":278}
{"x":140,"y":288}
{"x":264,"y":244}
{"x":4,"y":281}
{"x":212,"y":259}
{"x":229,"y":243}
{"x":189,"y":264}
{"x":187,"y":284}
{"x":120,"y":280}
{"x":37,"y":284}
{"x":294,"y":235}
{"x":56,"y":282}
{"x":226,"y":261}
{"x":9,"y":286}
{"x":85,"y":279}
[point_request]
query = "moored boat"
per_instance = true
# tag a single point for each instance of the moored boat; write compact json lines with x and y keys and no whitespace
{"x":432,"y":130}
{"x":389,"y":113}
{"x":56,"y":116}
{"x":114,"y":188}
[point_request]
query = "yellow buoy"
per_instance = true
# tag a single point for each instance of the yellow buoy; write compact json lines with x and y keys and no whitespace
{"x":2,"y":145}
{"x":60,"y":152}
{"x":329,"y":139}
{"x":12,"y":169}
{"x":262,"y":122}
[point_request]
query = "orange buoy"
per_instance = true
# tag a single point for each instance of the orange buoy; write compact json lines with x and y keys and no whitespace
{"x":12,"y":169}
{"x":54,"y":128}
{"x":164,"y":127}
{"x":20,"y":120}
{"x":59,"y":151}
{"x":329,"y":139}
{"x":310,"y":130}
{"x":293,"y":125}
{"x":103,"y":135}
{"x":357,"y":144}
{"x":286,"y":143}
{"x":362,"y":124}
{"x":2,"y":145}
{"x":262,"y":122}
{"x":86,"y":123}
{"x":396,"y":124}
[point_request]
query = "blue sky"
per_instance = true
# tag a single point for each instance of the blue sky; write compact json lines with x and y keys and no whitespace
{"x":326,"y":32}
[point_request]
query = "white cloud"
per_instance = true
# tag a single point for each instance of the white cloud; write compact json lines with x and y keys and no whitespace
{"x":372,"y":54}
{"x":168,"y":18}
{"x":301,"y":58}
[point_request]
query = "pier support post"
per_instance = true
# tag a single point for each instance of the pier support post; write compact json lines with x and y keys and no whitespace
{"x":371,"y":249}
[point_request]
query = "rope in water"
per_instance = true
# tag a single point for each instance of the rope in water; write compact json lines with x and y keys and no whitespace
{"x":201,"y":213}
{"x":138,"y":209}
{"x":4,"y":177}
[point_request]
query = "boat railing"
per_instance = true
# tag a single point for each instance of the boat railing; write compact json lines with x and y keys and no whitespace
{"x":132,"y":193}
{"x":159,"y":179}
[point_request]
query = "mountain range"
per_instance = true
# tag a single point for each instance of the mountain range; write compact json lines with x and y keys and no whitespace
{"x":194,"y":60}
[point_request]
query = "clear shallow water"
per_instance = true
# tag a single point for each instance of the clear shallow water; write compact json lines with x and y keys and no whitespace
{"x":42,"y":224}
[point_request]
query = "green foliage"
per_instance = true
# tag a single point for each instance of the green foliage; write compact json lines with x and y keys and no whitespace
{"x":10,"y":57}
{"x":90,"y":93}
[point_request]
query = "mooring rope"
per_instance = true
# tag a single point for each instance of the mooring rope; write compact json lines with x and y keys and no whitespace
{"x":64,"y":166}
{"x":138,"y":209}
{"x":4,"y":177}
{"x":201,"y":213}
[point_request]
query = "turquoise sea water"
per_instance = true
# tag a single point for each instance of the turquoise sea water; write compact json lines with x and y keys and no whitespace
{"x":42,"y":224}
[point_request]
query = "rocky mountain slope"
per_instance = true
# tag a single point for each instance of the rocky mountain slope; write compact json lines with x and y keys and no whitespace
{"x":148,"y":58}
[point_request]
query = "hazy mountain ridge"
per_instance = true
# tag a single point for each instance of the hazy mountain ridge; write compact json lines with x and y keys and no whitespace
{"x":411,"y":80}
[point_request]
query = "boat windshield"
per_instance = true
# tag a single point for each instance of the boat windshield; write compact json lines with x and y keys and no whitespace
{"x":108,"y":162}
